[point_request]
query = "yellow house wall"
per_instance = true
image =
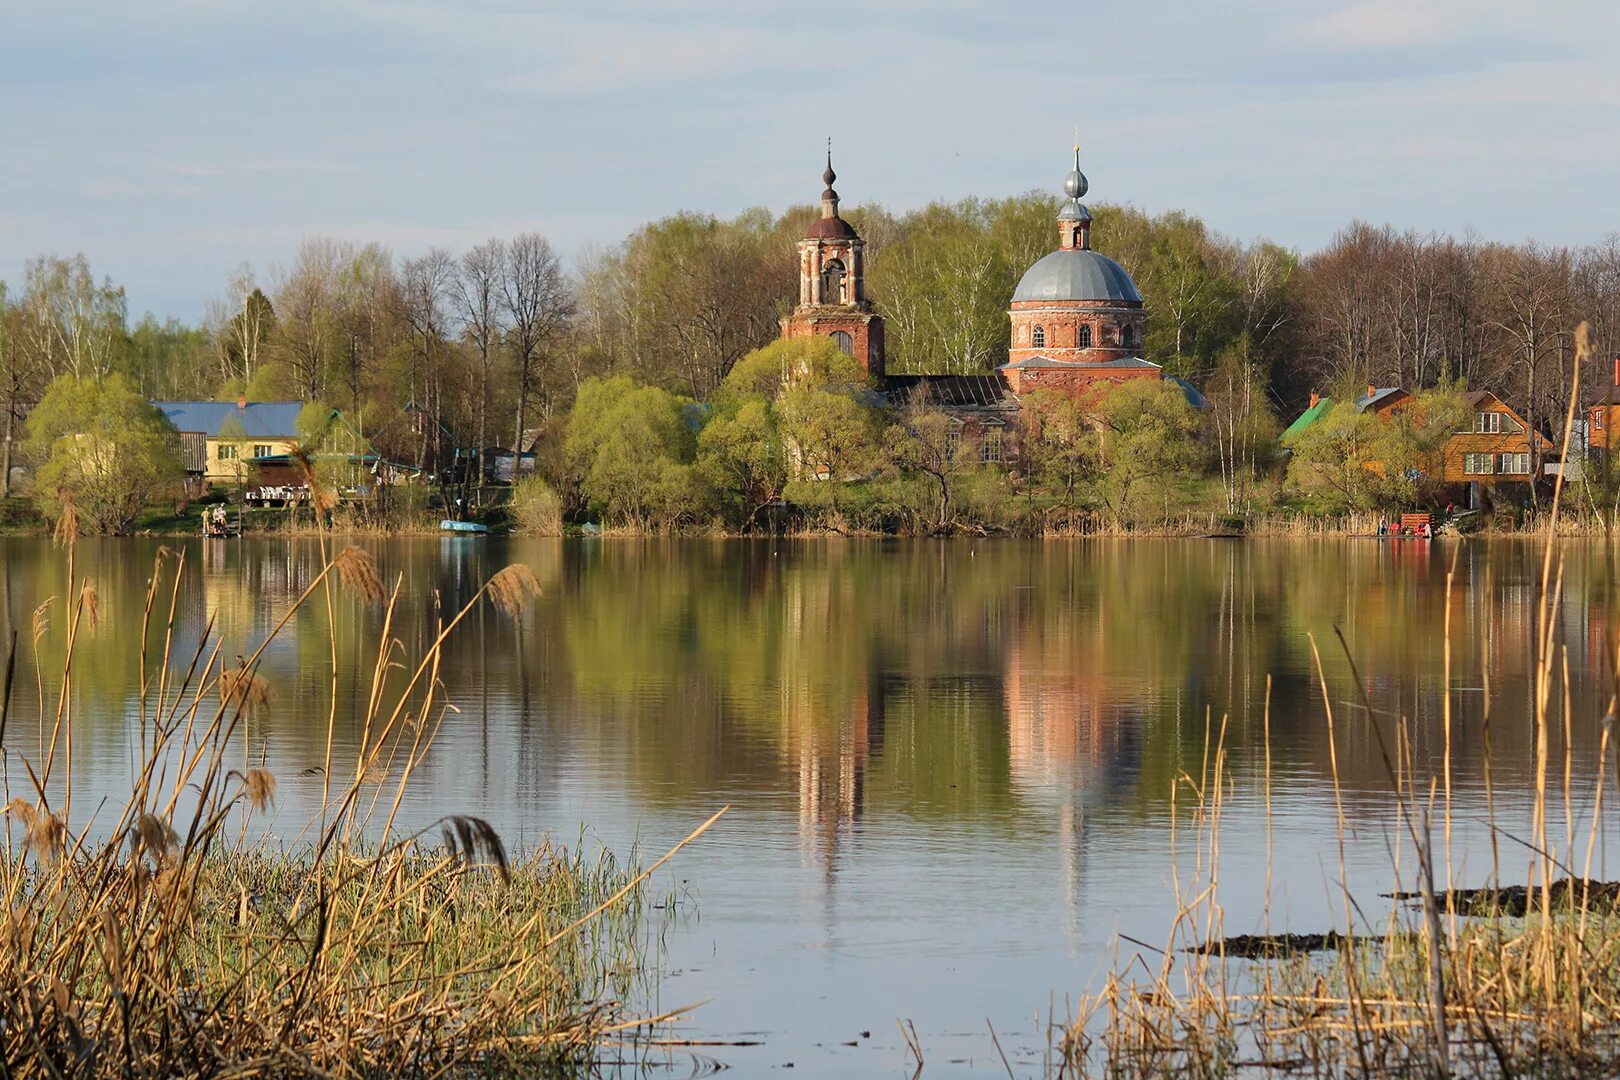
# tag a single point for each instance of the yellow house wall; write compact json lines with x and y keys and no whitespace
{"x":230,"y":471}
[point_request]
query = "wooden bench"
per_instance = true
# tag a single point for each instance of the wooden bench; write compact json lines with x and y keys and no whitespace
{"x":1413,"y":524}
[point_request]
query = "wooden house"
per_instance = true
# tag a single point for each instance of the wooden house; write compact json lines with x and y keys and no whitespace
{"x":1499,"y":446}
{"x":1604,"y":414}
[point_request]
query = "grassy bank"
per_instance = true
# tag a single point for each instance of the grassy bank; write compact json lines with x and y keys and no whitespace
{"x":159,"y":938}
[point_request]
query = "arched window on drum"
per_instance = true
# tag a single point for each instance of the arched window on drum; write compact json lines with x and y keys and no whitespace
{"x":1083,"y":340}
{"x":845,"y":343}
{"x":1038,"y":338}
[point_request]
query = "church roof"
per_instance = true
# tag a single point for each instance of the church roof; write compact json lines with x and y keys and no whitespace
{"x":949,"y":391}
{"x":830,"y":228}
{"x":1076,"y":274}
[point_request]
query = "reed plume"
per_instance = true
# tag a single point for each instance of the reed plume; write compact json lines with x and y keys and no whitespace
{"x":357,"y":572}
{"x":246,"y":691}
{"x":513,"y":588}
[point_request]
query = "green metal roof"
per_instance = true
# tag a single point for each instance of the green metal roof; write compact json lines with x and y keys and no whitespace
{"x":1307,"y":418}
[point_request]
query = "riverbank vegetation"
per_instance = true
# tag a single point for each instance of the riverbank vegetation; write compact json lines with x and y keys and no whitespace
{"x":1518,"y":976}
{"x":432,"y":356}
{"x":161,"y":937}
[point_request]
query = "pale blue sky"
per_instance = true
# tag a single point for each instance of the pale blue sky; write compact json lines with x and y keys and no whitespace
{"x":171,"y":140}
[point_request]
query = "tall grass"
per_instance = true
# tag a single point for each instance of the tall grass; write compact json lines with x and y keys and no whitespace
{"x":1515,"y":978}
{"x":158,"y":938}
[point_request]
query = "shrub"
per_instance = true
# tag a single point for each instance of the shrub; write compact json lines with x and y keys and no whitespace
{"x":535,"y":507}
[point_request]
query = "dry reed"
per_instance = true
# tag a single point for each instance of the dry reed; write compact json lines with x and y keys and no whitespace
{"x":157,"y":940}
{"x":1507,"y":980}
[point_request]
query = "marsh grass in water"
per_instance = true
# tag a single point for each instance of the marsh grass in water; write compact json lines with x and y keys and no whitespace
{"x":157,"y":938}
{"x":1508,"y":979}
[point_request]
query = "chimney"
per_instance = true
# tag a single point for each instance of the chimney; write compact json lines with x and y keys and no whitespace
{"x":1316,"y":399}
{"x":1617,"y":371}
{"x":241,"y":401}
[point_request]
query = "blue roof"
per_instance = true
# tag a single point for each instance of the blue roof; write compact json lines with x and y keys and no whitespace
{"x":259,"y":420}
{"x":1194,"y":398}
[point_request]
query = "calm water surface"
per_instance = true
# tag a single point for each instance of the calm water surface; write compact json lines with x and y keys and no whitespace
{"x":950,"y":763}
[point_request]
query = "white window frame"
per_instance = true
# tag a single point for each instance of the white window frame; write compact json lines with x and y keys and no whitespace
{"x":991,"y":448}
{"x":1492,"y":426}
{"x":1509,"y":465}
{"x":1037,"y":338}
{"x":1473,"y":461}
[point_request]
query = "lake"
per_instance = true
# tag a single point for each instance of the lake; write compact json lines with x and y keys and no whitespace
{"x":949,"y":763}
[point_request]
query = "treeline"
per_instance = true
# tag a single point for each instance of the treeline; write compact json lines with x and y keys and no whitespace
{"x":480,"y":348}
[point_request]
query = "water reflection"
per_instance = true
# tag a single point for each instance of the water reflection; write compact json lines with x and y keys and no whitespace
{"x":951,"y":762}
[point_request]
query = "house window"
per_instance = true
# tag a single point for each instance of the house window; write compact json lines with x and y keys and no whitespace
{"x":1488,"y":423}
{"x":1516,"y":464}
{"x":263,"y":450}
{"x":1597,"y":419}
{"x":1478,"y":464}
{"x":1083,"y":339}
{"x":953,"y":441}
{"x":227,"y":452}
{"x":990,"y":449}
{"x":1038,"y":338}
{"x":845,"y":343}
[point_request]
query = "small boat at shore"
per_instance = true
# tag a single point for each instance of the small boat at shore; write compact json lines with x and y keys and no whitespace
{"x":473,"y":528}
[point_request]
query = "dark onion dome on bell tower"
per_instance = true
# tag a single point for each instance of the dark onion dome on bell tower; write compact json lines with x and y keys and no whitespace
{"x":829,"y":226}
{"x":1074,"y":271}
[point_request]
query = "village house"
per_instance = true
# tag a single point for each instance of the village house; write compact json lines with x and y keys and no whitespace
{"x":251,"y":445}
{"x":1077,"y":325}
{"x":222,"y":442}
{"x":1499,"y":446}
{"x":1603,"y":414}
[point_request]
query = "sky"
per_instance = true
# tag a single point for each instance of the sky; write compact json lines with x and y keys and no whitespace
{"x":171,"y":141}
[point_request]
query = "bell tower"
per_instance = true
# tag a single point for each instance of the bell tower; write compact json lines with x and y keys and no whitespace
{"x":832,"y":286}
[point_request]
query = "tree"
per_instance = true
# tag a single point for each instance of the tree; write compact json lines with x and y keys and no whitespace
{"x":307,"y":330}
{"x":243,"y":325}
{"x":926,"y":442}
{"x":740,"y":451}
{"x":1146,"y":439}
{"x":538,"y":306}
{"x":425,"y":289}
{"x":476,"y":296}
{"x":629,"y":446}
{"x":683,"y":299}
{"x":1242,"y":422}
{"x":99,"y":444}
{"x":18,"y":377}
{"x":78,"y":325}
{"x":1060,"y":446}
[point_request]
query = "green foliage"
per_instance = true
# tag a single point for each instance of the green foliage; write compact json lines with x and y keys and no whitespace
{"x":1061,"y":448}
{"x":1146,"y":440}
{"x":99,"y":444}
{"x":629,"y":447}
{"x":1353,"y":459}
{"x":741,"y":455}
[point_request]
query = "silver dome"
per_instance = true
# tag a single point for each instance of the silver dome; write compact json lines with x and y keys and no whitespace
{"x":1077,"y":274}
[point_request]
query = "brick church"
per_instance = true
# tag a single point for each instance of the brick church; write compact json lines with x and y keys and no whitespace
{"x":1077,"y":321}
